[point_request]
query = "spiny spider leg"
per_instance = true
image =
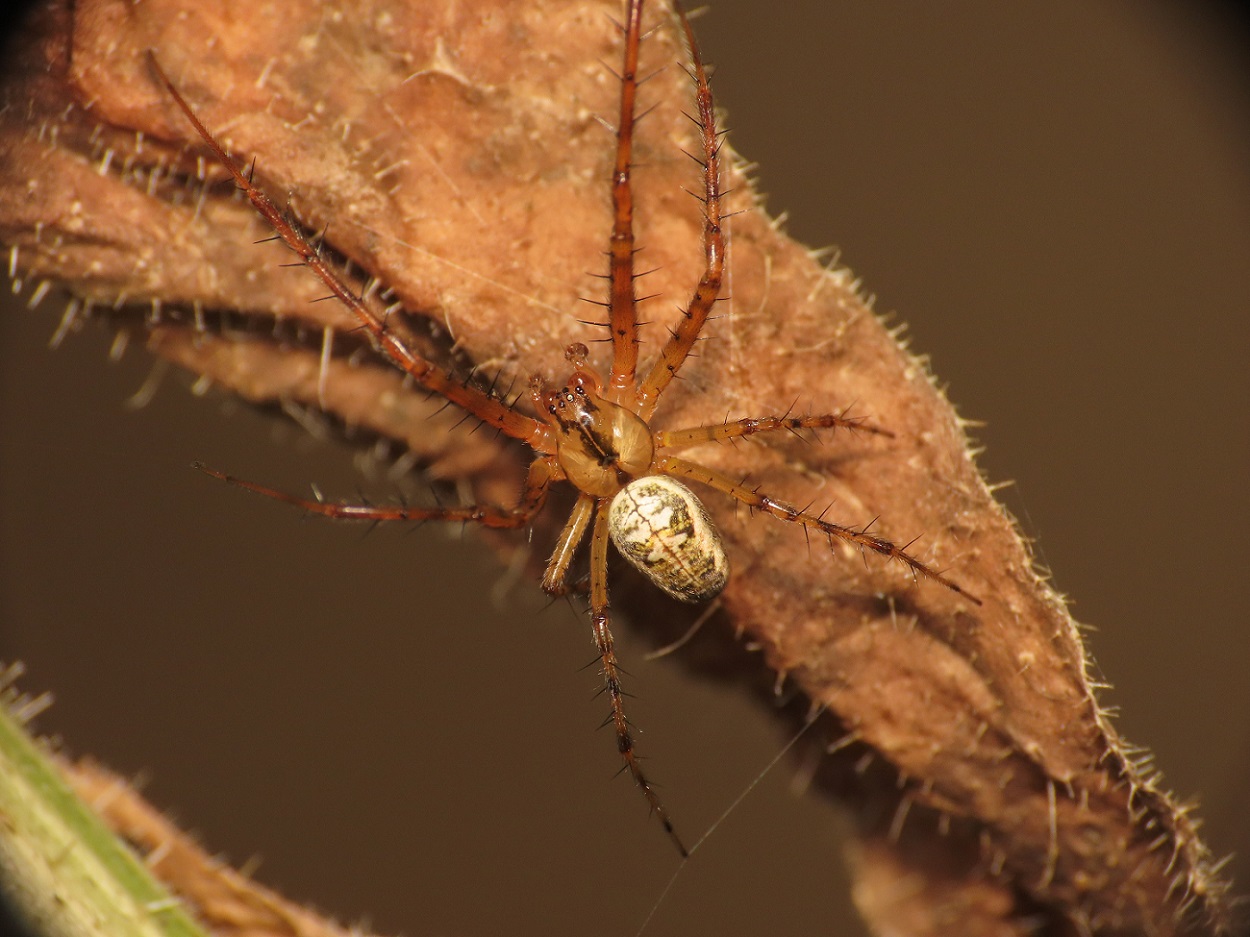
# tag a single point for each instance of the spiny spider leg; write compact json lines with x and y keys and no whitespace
{"x":695,"y":315}
{"x":684,"y":438}
{"x":541,"y":473}
{"x":622,"y":315}
{"x":490,"y":410}
{"x":600,"y":623}
{"x":669,"y":465}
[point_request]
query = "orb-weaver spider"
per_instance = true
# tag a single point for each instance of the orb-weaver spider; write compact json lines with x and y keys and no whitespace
{"x":595,"y":432}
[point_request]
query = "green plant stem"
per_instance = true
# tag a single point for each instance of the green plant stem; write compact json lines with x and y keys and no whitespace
{"x":63,"y":871}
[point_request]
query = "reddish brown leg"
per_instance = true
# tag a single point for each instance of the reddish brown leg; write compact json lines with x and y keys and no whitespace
{"x":622,"y":314}
{"x":683,"y":438}
{"x":600,"y":623}
{"x":749,"y":496}
{"x":678,"y":347}
{"x":540,"y":476}
{"x":481,"y":404}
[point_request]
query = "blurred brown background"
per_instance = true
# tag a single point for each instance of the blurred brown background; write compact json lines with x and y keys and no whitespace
{"x":1054,"y":196}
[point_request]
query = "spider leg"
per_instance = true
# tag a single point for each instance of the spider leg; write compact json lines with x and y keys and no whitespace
{"x":555,"y":579}
{"x":861,"y":538}
{"x":541,"y":473}
{"x":682,"y":340}
{"x":600,"y":624}
{"x":684,"y":438}
{"x":622,"y":312}
{"x":490,"y":410}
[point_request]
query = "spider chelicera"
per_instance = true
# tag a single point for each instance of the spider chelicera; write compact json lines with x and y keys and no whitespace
{"x":596,"y":431}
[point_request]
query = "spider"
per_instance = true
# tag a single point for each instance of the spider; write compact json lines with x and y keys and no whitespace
{"x":596,"y":431}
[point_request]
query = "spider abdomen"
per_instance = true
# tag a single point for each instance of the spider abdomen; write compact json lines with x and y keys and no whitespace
{"x":665,"y":533}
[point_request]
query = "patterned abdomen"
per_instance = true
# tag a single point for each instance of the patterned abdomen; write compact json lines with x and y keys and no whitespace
{"x":659,"y":525}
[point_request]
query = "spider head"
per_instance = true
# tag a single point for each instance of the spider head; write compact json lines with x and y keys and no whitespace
{"x":601,"y":445}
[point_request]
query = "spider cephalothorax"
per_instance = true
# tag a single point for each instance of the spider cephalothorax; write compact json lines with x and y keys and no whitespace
{"x":600,"y":445}
{"x":596,"y":432}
